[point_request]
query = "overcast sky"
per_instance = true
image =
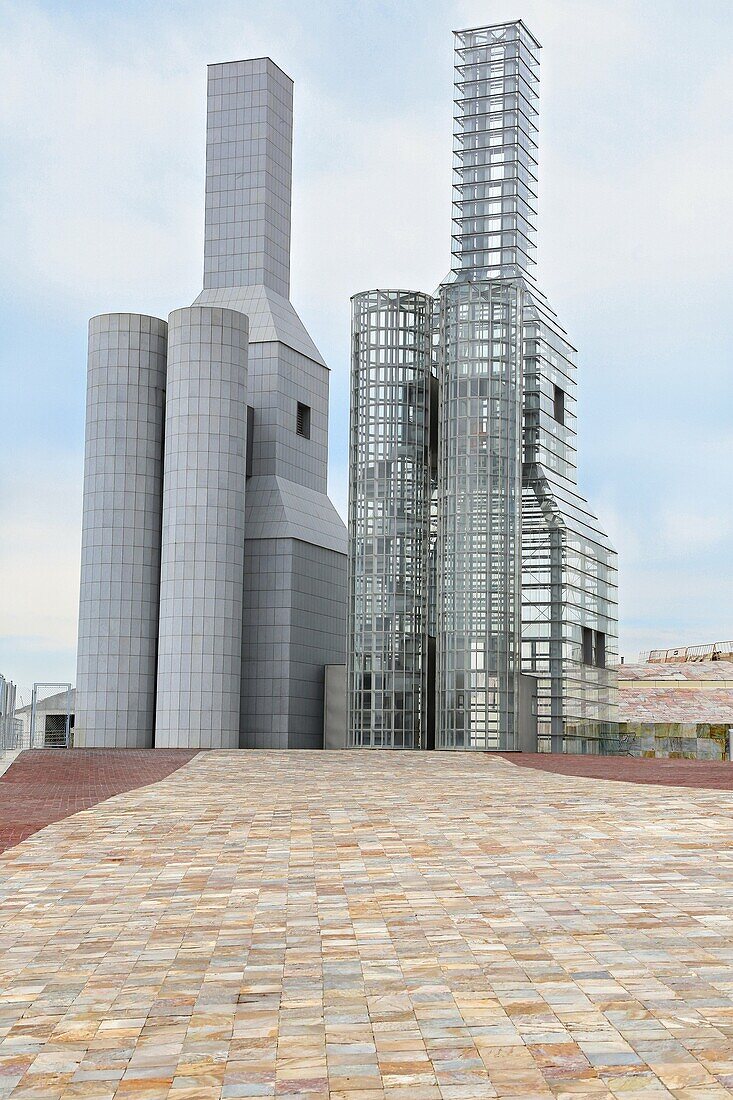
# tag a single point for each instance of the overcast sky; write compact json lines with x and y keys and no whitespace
{"x":102,"y":119}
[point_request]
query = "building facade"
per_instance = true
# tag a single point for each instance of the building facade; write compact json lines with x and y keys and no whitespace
{"x":521,"y":603}
{"x":213,"y":585}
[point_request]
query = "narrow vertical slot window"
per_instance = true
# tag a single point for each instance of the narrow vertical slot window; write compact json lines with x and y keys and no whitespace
{"x":559,"y":404}
{"x":250,"y":441}
{"x":303,"y":421}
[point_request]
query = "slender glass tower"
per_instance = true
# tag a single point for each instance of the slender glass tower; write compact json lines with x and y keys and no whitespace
{"x":525,"y":580}
{"x":479,"y":524}
{"x":479,"y":515}
{"x":389,"y":520}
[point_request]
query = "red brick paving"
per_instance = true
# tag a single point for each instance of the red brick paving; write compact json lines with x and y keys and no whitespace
{"x":46,"y":785}
{"x":715,"y":774}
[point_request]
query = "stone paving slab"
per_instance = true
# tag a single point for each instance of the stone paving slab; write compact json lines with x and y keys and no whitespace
{"x":41,"y":786}
{"x":371,"y":925}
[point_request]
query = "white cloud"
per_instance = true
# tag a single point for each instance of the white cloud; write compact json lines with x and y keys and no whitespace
{"x":99,"y":173}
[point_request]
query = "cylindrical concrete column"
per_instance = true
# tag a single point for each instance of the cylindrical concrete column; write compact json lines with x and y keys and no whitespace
{"x":120,"y":551}
{"x":202,"y":570}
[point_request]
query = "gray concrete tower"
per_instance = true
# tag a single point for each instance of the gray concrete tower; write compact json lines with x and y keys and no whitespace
{"x":249,"y":140}
{"x":120,"y":553}
{"x":200,"y":647}
{"x":241,"y":599}
{"x":294,"y":607}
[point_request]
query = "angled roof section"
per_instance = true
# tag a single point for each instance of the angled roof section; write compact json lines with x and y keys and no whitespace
{"x":279,"y":509}
{"x":271,"y":317}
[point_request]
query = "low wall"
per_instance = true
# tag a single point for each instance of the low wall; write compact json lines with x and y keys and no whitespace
{"x":673,"y":740}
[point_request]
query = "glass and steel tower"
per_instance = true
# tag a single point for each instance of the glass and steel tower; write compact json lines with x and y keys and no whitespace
{"x":479,"y":508}
{"x":525,"y":588}
{"x":569,"y":568}
{"x":479,"y":514}
{"x":389,"y":520}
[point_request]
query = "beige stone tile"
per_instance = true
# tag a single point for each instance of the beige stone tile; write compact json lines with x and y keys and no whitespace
{"x":363,"y":926}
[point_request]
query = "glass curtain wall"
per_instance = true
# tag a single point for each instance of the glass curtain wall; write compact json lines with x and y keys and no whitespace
{"x":389,"y":519}
{"x":495,"y":152}
{"x":569,"y":568}
{"x":479,"y":490}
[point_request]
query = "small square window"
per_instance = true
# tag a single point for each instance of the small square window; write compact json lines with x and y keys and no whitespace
{"x":559,"y":405}
{"x":303,"y":421}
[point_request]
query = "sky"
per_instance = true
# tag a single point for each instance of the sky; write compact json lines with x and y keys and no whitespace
{"x":102,"y":123}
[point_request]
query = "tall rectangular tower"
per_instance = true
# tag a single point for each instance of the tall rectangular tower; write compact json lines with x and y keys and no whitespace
{"x":495,"y":152}
{"x":294,"y":617}
{"x":249,"y":139}
{"x":481,"y":381}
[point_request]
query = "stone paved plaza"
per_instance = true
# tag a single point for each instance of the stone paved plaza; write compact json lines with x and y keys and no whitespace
{"x":362,"y":925}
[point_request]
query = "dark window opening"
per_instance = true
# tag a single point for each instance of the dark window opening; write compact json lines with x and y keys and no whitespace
{"x":303,"y":421}
{"x":587,"y":646}
{"x":250,"y":440}
{"x":559,"y":405}
{"x":594,"y":647}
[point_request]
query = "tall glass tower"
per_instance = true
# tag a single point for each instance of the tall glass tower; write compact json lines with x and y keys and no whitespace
{"x":389,"y":519}
{"x":524,"y":580}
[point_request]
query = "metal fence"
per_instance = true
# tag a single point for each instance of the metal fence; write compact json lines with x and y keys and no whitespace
{"x":10,"y":726}
{"x":716,"y":651}
{"x":47,"y":722}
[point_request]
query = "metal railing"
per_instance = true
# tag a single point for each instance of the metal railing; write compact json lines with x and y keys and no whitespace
{"x":716,"y":651}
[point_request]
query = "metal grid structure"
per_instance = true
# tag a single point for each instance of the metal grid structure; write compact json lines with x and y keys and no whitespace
{"x":569,"y":569}
{"x":389,"y":519}
{"x":10,"y":726}
{"x":495,"y":152}
{"x":519,"y":553}
{"x":50,"y":730}
{"x":479,"y":516}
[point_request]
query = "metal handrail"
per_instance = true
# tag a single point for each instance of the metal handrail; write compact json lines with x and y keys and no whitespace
{"x":713,"y":651}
